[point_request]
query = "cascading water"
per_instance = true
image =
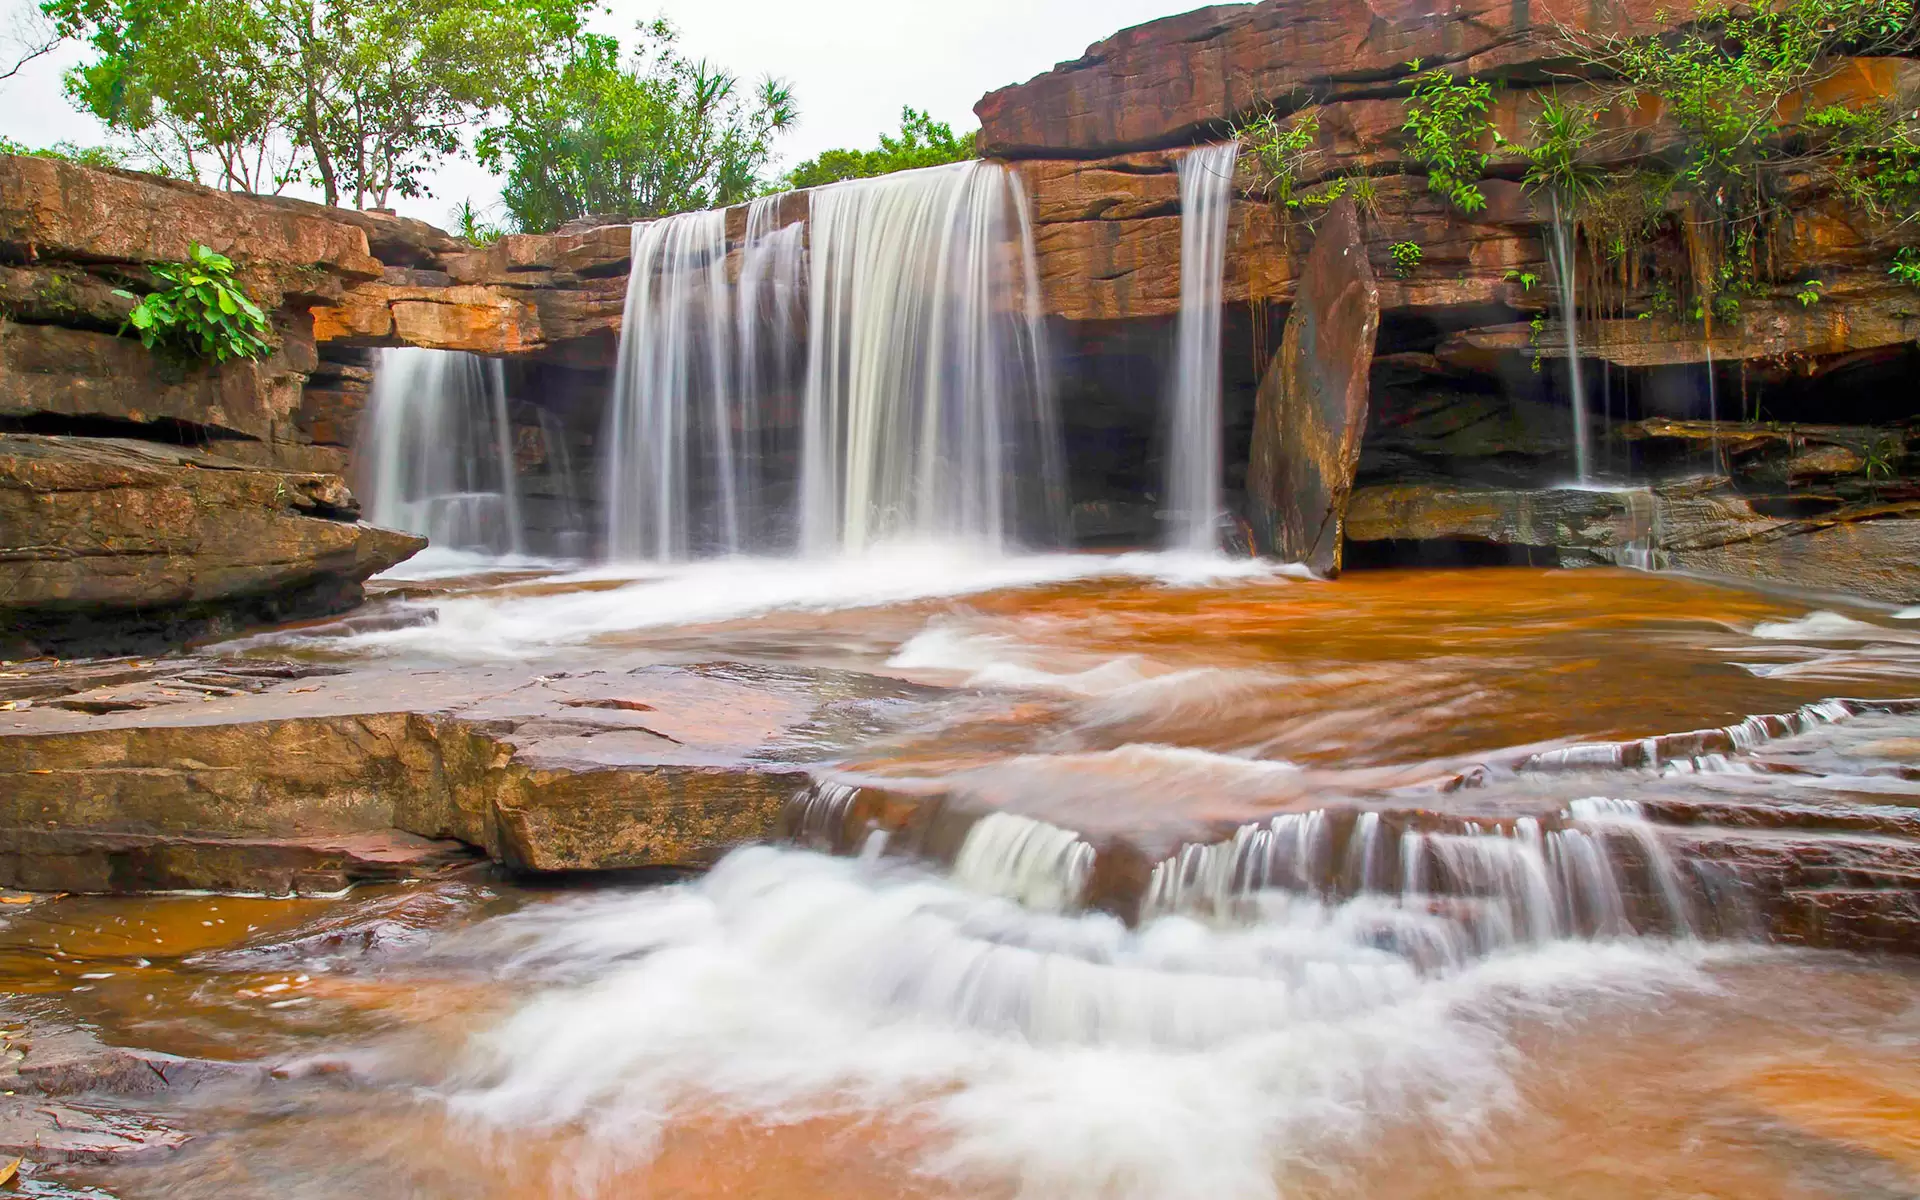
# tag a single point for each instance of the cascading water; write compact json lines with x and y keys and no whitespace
{"x":436,"y":451}
{"x":772,"y":298}
{"x":928,"y":403}
{"x":670,"y":427}
{"x":1193,"y":453}
{"x":1563,"y":262}
{"x":926,"y":406}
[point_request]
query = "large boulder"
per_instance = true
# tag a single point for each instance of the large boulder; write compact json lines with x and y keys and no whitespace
{"x":109,"y":541}
{"x":1312,"y":407}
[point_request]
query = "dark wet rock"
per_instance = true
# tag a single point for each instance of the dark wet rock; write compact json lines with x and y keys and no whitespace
{"x":70,"y":1061}
{"x":1312,"y":407}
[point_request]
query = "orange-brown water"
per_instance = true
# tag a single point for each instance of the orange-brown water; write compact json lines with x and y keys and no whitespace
{"x":773,"y":1032}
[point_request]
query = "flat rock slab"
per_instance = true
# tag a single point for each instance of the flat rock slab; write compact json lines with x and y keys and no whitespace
{"x":253,"y":775}
{"x":47,"y":1131}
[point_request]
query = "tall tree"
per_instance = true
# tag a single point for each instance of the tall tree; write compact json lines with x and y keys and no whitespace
{"x":363,"y":94}
{"x":654,"y":134}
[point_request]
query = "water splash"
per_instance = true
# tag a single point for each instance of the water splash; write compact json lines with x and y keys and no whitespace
{"x":1193,"y":454}
{"x":1042,"y":866}
{"x":435,"y":451}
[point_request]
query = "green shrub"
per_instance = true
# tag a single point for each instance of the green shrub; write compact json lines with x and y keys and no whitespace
{"x":204,"y":315}
{"x":1446,"y":124}
{"x":1906,"y":266}
{"x":1406,"y":258}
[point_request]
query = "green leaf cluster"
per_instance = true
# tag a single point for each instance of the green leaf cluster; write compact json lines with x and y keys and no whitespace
{"x":921,"y":142}
{"x":1407,"y":257}
{"x":643,"y":136}
{"x":1906,"y":266}
{"x":1445,"y":130}
{"x":86,"y":156}
{"x":204,"y":315}
{"x":1284,"y":153}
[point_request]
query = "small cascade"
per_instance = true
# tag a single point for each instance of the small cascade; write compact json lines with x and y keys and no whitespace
{"x":1193,"y":454}
{"x":1042,"y":866}
{"x":670,"y":426}
{"x":435,"y":451}
{"x":1597,"y":869}
{"x":928,"y":408}
{"x":1562,"y":259}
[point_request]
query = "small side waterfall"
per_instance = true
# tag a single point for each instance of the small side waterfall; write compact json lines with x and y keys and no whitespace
{"x":1562,"y":260}
{"x":436,"y":451}
{"x":1193,"y":452}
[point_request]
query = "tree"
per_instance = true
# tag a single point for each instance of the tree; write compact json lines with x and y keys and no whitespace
{"x":658,"y":133}
{"x":358,"y":96}
{"x":921,"y":142}
{"x":29,"y":36}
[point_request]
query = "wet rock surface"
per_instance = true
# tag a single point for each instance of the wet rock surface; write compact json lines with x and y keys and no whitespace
{"x":264,"y":776}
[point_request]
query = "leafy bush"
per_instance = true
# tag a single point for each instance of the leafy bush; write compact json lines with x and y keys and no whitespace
{"x":1283,"y":153}
{"x":1446,"y":124}
{"x":1809,"y":293}
{"x":1407,"y":257}
{"x":921,"y":142}
{"x":204,"y":315}
{"x":86,"y":156}
{"x":1906,"y":266}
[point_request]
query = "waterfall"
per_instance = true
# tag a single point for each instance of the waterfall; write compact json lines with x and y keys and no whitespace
{"x":928,"y":406}
{"x":1044,"y":867}
{"x":1562,"y":260}
{"x":918,"y":361}
{"x":771,"y":295}
{"x":435,"y":451}
{"x":1193,"y":456}
{"x":666,"y":458}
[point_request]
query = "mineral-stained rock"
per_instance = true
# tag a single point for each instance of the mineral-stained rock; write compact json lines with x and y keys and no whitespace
{"x":93,"y":527}
{"x":312,"y":781}
{"x":49,"y":1132}
{"x":55,"y":209}
{"x":1312,"y":407}
{"x":1576,"y":519}
{"x":48,"y":371}
{"x":1162,"y":83}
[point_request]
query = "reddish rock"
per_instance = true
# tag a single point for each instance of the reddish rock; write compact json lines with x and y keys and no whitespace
{"x":1312,"y":406}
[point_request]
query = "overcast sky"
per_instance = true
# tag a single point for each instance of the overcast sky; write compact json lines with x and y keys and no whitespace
{"x":852,"y":64}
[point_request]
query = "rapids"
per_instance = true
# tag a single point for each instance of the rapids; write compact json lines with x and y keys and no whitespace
{"x":1254,"y":886}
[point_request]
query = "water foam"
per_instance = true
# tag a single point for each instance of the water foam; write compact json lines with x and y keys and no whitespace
{"x":1058,"y":1056}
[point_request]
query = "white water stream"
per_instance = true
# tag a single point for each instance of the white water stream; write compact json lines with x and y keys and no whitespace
{"x":1193,"y":453}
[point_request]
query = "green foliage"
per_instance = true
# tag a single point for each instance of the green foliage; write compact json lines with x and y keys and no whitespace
{"x":921,"y":142}
{"x":1883,"y":459}
{"x":657,"y":134}
{"x":1536,"y":329}
{"x":1809,"y":293}
{"x":86,"y":156}
{"x":1623,"y":212}
{"x":1407,"y":257}
{"x":471,"y":224}
{"x":1284,"y":154}
{"x":1445,"y":127}
{"x":1526,"y":279}
{"x":1553,"y":154}
{"x":358,"y":96}
{"x":204,"y":315}
{"x":1906,"y":266}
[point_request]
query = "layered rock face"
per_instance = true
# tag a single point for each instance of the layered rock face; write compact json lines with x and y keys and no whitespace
{"x":143,"y":500}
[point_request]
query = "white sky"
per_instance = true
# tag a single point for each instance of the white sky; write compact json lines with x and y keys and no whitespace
{"x":852,"y":64}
